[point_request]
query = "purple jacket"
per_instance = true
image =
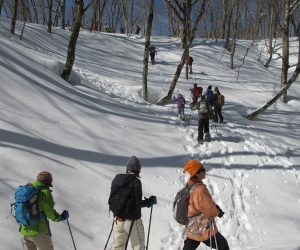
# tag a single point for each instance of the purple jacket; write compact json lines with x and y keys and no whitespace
{"x":180,"y":101}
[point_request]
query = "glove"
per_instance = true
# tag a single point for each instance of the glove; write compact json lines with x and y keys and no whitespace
{"x":153,"y":200}
{"x":64,"y":215}
{"x":221,"y":212}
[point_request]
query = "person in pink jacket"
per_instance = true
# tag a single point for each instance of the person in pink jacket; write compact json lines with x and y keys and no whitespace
{"x":202,"y":211}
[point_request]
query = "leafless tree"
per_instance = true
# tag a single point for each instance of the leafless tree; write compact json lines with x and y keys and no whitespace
{"x":14,"y":17}
{"x":147,"y":48}
{"x":168,"y":97}
{"x":80,"y":10}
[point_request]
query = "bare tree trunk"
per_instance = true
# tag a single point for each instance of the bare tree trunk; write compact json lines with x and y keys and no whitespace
{"x":73,"y":40}
{"x":55,"y":22}
{"x":225,"y":17}
{"x":14,"y":18}
{"x":234,"y":38}
{"x":270,"y":32}
{"x":24,"y":10}
{"x":227,"y":43}
{"x":285,"y":49}
{"x":167,"y":98}
{"x":63,"y":14}
{"x":147,"y":47}
{"x":50,"y":4}
{"x":35,"y":11}
{"x":283,"y":90}
{"x":1,"y":4}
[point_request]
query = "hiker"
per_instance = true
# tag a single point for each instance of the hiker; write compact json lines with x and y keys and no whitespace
{"x":68,"y":24}
{"x":204,"y":110}
{"x":38,"y":236}
{"x":202,"y":211}
{"x":137,"y":30}
{"x":218,"y":105}
{"x":180,"y":105}
{"x":189,"y":63}
{"x":152,"y":52}
{"x":209,"y":95}
{"x":127,"y":214}
{"x":196,"y":93}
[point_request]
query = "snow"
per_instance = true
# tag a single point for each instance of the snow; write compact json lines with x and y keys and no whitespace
{"x":84,"y":133}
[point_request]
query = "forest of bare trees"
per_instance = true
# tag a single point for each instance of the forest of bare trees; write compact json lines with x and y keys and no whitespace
{"x":219,"y":20}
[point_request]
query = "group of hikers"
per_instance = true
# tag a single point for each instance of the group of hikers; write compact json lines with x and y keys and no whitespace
{"x":209,"y":106}
{"x":125,"y":201}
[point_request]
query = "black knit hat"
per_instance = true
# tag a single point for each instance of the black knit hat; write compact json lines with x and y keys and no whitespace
{"x":134,"y":165}
{"x":45,"y":177}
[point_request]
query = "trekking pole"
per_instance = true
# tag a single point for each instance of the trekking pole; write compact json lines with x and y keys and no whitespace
{"x":149,"y":227}
{"x":210,"y":233}
{"x":71,"y":234}
{"x":213,"y":223}
{"x":130,"y":229}
{"x":112,"y":226}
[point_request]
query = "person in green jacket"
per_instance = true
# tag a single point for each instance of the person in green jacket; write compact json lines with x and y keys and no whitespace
{"x":38,"y":236}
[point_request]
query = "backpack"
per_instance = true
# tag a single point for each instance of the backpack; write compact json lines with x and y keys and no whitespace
{"x":180,"y":205}
{"x":119,"y":199}
{"x":203,"y":109}
{"x":25,"y":206}
{"x":221,"y":100}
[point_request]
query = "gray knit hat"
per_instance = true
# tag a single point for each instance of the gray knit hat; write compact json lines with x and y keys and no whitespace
{"x":133,"y":165}
{"x":45,"y":177}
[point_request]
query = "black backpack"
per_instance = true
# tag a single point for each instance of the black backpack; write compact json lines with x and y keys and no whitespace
{"x":119,"y":199}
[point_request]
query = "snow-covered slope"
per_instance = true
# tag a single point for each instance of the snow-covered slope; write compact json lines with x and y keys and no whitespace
{"x":85,"y":132}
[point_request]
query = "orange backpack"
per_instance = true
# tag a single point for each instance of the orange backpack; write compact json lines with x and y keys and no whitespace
{"x":221,"y":100}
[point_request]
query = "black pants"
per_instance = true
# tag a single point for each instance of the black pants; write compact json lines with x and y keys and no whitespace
{"x":193,"y":244}
{"x":152,"y":59}
{"x":203,"y":125}
{"x":218,"y":114}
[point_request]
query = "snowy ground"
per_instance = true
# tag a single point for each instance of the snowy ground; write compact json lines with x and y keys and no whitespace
{"x":85,"y":133}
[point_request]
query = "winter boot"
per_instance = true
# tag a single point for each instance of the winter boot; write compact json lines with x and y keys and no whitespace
{"x":207,"y":137}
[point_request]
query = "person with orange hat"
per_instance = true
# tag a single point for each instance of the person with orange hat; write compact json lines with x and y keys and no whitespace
{"x":201,"y":212}
{"x":38,"y":236}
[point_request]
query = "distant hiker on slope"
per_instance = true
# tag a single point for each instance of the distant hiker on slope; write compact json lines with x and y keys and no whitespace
{"x":201,"y":212}
{"x":189,"y":63}
{"x":204,"y":111}
{"x":38,"y":236}
{"x":180,"y":105}
{"x":152,"y":53}
{"x":125,"y":201}
{"x":196,"y":93}
{"x":219,"y":102}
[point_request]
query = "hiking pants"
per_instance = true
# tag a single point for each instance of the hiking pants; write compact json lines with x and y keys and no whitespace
{"x":152,"y":59}
{"x":203,"y":125}
{"x":41,"y":241}
{"x":181,"y":112}
{"x":121,"y":232}
{"x":218,"y":114}
{"x":193,"y":244}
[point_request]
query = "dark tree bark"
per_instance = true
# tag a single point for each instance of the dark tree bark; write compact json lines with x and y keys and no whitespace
{"x":63,"y":14}
{"x":14,"y":18}
{"x":147,"y":47}
{"x":50,"y":4}
{"x":73,"y":40}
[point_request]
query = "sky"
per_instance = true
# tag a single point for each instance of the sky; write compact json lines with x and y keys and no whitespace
{"x":84,"y":133}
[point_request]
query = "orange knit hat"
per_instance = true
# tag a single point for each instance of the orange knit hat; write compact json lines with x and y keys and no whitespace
{"x":192,"y":167}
